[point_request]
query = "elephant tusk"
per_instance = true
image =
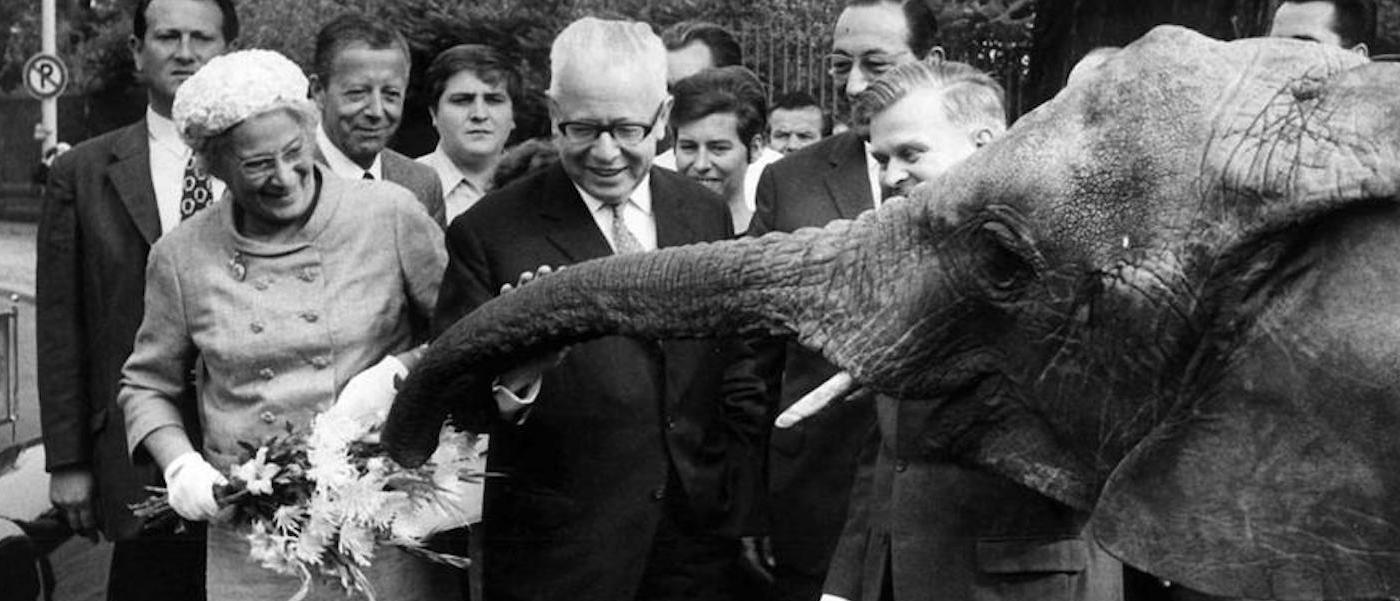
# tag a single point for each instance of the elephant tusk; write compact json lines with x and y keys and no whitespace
{"x":835,"y":388}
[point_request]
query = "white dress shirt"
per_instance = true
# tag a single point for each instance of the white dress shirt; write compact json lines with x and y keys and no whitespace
{"x":872,"y":167}
{"x":459,"y":192}
{"x":342,"y":165}
{"x":766,"y":157}
{"x":169,"y":155}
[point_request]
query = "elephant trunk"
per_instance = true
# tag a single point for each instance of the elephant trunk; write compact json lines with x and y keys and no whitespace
{"x":777,"y":284}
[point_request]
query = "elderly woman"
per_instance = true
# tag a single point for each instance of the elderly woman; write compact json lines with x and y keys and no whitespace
{"x":295,"y":289}
{"x":717,"y":124}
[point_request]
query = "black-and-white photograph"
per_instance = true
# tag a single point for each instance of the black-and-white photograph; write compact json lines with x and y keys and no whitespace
{"x":699,"y":300}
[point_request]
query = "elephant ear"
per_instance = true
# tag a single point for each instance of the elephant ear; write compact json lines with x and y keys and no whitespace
{"x":1278,"y":475}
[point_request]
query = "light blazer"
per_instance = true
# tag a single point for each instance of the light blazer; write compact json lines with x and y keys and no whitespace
{"x":586,"y":474}
{"x":420,"y":179}
{"x":99,"y":221}
{"x":811,"y":466}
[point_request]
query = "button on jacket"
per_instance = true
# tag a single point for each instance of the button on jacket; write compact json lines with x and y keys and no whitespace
{"x":280,"y":327}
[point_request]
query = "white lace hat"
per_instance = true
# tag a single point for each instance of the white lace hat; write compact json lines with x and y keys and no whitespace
{"x":234,"y":87}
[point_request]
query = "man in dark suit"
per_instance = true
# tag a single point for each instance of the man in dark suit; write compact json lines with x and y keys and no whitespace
{"x":811,"y":467}
{"x":109,"y":199}
{"x":630,"y":465}
{"x":924,"y":524}
{"x":360,"y":78}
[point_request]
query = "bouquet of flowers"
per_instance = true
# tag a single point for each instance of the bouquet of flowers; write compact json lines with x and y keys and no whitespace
{"x":321,"y":500}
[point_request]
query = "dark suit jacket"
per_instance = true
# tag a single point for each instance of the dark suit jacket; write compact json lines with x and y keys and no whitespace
{"x":955,"y":532}
{"x":619,"y":423}
{"x":930,"y":528}
{"x":98,"y":223}
{"x":420,"y":179}
{"x":811,"y":467}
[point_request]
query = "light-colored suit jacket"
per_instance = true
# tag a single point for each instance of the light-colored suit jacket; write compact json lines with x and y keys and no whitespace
{"x":420,"y":179}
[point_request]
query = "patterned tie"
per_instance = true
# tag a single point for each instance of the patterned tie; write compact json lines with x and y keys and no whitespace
{"x":195,"y":192}
{"x":623,"y":240}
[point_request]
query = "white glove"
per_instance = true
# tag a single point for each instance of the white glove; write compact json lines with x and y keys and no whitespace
{"x":371,"y":391}
{"x":190,"y":481}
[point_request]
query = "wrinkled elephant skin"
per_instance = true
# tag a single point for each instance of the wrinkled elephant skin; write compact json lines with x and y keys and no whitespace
{"x":1170,"y":296}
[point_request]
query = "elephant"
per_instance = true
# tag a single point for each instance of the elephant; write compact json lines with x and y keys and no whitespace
{"x":1167,"y":297}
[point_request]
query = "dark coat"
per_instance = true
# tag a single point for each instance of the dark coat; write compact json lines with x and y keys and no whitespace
{"x":931,"y":528}
{"x":586,"y":474}
{"x":811,"y":466}
{"x":98,"y":224}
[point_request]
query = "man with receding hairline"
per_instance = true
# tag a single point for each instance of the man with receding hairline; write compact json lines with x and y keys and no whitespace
{"x":359,"y":81}
{"x":1349,"y":24}
{"x":630,"y":465}
{"x":924,"y":525}
{"x":109,"y":199}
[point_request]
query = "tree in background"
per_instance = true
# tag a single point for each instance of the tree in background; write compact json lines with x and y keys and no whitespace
{"x":784,"y":40}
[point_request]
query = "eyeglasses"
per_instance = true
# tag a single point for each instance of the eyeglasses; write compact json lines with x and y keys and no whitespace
{"x":260,"y":167}
{"x":873,"y":65}
{"x":624,"y":132}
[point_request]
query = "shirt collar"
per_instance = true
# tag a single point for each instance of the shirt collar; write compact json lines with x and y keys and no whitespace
{"x":162,"y":131}
{"x":342,"y":165}
{"x":448,"y":172}
{"x":640,"y":196}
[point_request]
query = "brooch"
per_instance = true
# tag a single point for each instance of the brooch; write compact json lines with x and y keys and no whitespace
{"x":236,"y":265}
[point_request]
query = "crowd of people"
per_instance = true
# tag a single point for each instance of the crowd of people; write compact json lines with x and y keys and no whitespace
{"x":252,"y":252}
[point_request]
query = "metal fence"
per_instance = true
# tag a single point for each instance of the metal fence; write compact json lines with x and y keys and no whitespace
{"x":786,"y":50}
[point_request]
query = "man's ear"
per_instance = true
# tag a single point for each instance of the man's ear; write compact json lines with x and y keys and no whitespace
{"x":552,"y":107}
{"x":982,"y":137}
{"x":1361,"y":49}
{"x":663,"y":117}
{"x":133,"y":44}
{"x":317,"y":90}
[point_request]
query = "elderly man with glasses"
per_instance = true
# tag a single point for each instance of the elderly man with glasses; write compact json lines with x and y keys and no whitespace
{"x":629,"y":464}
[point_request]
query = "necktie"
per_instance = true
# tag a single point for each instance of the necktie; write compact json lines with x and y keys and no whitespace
{"x":195,"y":193}
{"x":367,"y":175}
{"x":623,"y":240}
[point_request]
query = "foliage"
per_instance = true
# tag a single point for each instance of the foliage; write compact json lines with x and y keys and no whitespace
{"x":783,"y":40}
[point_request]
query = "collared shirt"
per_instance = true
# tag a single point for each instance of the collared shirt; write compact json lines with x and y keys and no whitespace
{"x":872,"y":168}
{"x":459,"y":192}
{"x":169,"y":155}
{"x":636,"y":214}
{"x":342,"y":165}
{"x":766,"y":157}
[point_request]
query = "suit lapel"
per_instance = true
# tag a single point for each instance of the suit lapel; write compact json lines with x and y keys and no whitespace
{"x":670,"y":212}
{"x":130,"y":174}
{"x":848,"y":180}
{"x":568,"y":226}
{"x":392,"y":169}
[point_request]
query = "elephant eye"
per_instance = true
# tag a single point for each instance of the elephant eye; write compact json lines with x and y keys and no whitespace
{"x":1004,"y":259}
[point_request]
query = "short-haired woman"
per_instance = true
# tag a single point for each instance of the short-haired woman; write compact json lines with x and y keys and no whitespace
{"x":717,"y":124}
